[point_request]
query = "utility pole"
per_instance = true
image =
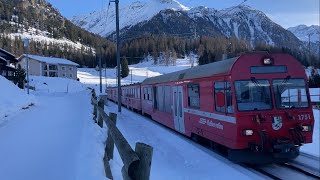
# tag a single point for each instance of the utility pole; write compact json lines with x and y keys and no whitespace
{"x":118,"y":55}
{"x":131,"y":75}
{"x":26,"y":45}
{"x":309,"y":50}
{"x":100,"y":69}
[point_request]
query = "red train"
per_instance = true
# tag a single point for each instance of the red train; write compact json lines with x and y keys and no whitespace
{"x":256,"y":106}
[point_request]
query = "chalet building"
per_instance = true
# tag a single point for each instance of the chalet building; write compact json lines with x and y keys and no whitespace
{"x":49,"y":66}
{"x":7,"y":59}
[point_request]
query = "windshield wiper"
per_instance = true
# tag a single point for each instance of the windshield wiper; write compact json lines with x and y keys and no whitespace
{"x":255,"y":82}
{"x":284,"y":82}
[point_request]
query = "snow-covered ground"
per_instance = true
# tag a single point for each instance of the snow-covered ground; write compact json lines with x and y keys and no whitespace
{"x":12,"y":99}
{"x":55,"y":85}
{"x":175,"y":157}
{"x":55,"y":139}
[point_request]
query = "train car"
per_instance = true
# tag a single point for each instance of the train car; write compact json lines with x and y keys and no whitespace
{"x":131,"y":96}
{"x":112,"y":94}
{"x":256,"y":105}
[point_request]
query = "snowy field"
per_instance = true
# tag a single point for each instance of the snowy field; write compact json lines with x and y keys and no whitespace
{"x":141,"y":71}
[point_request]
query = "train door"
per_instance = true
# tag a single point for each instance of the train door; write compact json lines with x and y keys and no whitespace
{"x":178,"y":109}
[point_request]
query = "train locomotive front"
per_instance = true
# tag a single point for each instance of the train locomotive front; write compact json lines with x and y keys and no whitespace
{"x":272,"y":108}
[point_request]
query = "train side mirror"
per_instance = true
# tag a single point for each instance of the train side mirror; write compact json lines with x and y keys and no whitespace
{"x":220,"y":99}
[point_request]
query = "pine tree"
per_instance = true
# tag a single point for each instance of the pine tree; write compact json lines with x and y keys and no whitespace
{"x":20,"y":77}
{"x":124,"y":68}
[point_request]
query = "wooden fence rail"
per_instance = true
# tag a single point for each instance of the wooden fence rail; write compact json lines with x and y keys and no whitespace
{"x":137,"y":164}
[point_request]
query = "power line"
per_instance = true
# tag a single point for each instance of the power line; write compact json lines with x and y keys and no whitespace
{"x":233,"y":8}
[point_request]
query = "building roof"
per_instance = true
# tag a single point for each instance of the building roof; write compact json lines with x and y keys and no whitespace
{"x":7,"y":56}
{"x":206,"y":70}
{"x":50,"y":60}
{"x":3,"y":60}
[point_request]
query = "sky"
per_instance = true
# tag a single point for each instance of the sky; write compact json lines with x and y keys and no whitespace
{"x":287,"y":13}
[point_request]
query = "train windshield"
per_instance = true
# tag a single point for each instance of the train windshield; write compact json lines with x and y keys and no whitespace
{"x":253,"y":95}
{"x":290,"y":93}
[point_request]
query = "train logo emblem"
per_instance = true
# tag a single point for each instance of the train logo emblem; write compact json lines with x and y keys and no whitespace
{"x":277,"y":122}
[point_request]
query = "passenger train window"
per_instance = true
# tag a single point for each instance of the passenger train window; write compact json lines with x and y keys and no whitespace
{"x":193,"y":95}
{"x":145,"y":93}
{"x":149,"y":94}
{"x":167,"y":99}
{"x":225,"y":88}
{"x":160,"y":99}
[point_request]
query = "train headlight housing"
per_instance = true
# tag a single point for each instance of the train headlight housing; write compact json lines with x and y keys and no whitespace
{"x":306,"y":128}
{"x":247,"y":132}
{"x":267,"y":61}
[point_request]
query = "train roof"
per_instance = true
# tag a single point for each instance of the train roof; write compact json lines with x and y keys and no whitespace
{"x":206,"y":70}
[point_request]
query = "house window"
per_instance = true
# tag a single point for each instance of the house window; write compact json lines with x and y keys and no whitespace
{"x":63,"y":75}
{"x":63,"y":68}
{"x":70,"y":68}
{"x":4,"y":73}
{"x":52,"y":74}
{"x":53,"y":67}
{"x":225,"y":88}
{"x":70,"y":75}
{"x":193,"y":95}
{"x":10,"y":73}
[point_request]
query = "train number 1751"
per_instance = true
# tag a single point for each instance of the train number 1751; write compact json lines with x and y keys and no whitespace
{"x":304,"y":116}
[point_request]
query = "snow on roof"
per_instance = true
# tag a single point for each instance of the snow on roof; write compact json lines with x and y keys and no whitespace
{"x":52,"y":60}
{"x":7,"y":52}
{"x":3,"y":59}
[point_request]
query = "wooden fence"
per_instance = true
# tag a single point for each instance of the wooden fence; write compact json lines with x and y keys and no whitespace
{"x":137,"y":164}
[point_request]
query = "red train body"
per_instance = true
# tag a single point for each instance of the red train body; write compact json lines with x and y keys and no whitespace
{"x":256,"y":105}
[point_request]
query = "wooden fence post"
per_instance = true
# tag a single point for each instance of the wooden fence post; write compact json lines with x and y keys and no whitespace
{"x":100,"y":118}
{"x":144,"y":153}
{"x":124,"y":173}
{"x":94,"y":106}
{"x":107,"y":168}
{"x":110,"y":144}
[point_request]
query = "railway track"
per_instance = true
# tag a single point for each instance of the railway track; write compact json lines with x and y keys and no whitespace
{"x":304,"y":167}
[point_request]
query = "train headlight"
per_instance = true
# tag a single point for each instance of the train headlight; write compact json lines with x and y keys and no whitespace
{"x":267,"y":61}
{"x":306,"y":128}
{"x":247,"y":132}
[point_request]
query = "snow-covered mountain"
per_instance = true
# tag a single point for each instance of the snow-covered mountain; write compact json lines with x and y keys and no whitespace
{"x":49,"y":32}
{"x":171,"y":17}
{"x":103,"y":22}
{"x":302,"y":32}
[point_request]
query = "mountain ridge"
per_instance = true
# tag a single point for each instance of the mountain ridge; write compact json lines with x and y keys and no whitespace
{"x":243,"y":22}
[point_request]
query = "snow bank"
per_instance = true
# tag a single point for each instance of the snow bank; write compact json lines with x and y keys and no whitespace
{"x":12,"y":99}
{"x":314,"y":148}
{"x":55,"y":84}
{"x":315,"y":94}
